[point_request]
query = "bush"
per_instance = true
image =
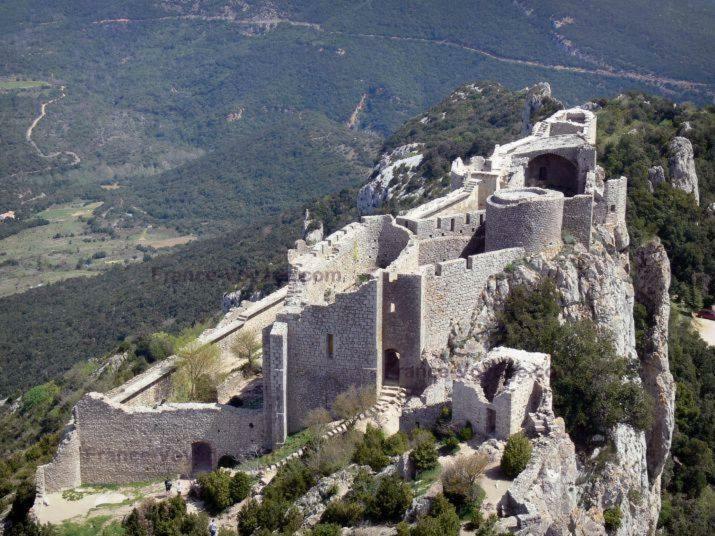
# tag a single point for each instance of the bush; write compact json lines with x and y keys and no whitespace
{"x":466,"y":432}
{"x":612,"y":518}
{"x":370,"y":450}
{"x":323,"y":529}
{"x":460,"y":480}
{"x":396,"y":444}
{"x":270,"y":515}
{"x":590,"y":382}
{"x":424,"y":455}
{"x":240,"y":487}
{"x":517,"y":454}
{"x":343,"y":513}
{"x":292,"y":480}
{"x":451,"y":444}
{"x":216,"y":490}
{"x":227,"y":461}
{"x":391,"y":500}
{"x":23,"y":501}
{"x":442,"y":520}
{"x":328,"y":456}
{"x":353,"y":401}
{"x":164,"y":517}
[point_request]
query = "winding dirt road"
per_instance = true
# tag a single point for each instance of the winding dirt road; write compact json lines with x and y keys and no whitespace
{"x":28,"y":135}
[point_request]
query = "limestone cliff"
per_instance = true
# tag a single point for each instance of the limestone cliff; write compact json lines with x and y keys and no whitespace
{"x":569,"y":494}
{"x":682,"y":166}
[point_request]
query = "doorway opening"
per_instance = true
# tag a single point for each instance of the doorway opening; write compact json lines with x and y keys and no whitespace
{"x":201,"y":457}
{"x":391,"y":367}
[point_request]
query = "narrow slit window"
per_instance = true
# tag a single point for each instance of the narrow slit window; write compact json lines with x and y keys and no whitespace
{"x":331,"y":346}
{"x":392,"y":307}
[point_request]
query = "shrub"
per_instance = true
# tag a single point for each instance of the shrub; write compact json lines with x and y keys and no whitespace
{"x":370,"y":450}
{"x":164,"y":517}
{"x":343,"y":513}
{"x":442,"y":427}
{"x":216,"y":490}
{"x":270,"y":515}
{"x":612,"y":518}
{"x":353,"y":401}
{"x":239,"y":487}
{"x":517,"y":454}
{"x":323,"y":529}
{"x":317,"y":419}
{"x":442,"y":520}
{"x":396,"y":444}
{"x":460,"y":480}
{"x":466,"y":432}
{"x":391,"y":500}
{"x":451,"y":444}
{"x":330,"y":455}
{"x":590,"y":381}
{"x":291,"y":481}
{"x":23,"y":501}
{"x":424,"y":455}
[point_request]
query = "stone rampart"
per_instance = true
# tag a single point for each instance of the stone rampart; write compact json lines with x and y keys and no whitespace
{"x":451,"y":289}
{"x":331,"y":347}
{"x":64,"y":470}
{"x":130,"y":444}
{"x":528,"y":217}
{"x":578,"y":217}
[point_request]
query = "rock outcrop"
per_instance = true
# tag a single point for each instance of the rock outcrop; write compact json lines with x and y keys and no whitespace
{"x":656,"y":175}
{"x":682,"y":166}
{"x":312,"y":229}
{"x":535,"y":97}
{"x":651,"y":286}
{"x":570,"y":496}
{"x":382,"y":185}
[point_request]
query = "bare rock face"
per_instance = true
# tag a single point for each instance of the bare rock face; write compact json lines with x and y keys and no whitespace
{"x":566,"y":496}
{"x":312,"y":229}
{"x":535,"y":96}
{"x":382,"y":185}
{"x":231,"y":300}
{"x":651,"y":287}
{"x":656,"y":175}
{"x":682,"y":166}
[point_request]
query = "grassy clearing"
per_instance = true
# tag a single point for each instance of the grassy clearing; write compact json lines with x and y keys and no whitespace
{"x":22,"y":84}
{"x":100,"y":525}
{"x":70,"y":247}
{"x":425,"y":480}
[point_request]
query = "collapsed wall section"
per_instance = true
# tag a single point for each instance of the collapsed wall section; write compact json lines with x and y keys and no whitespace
{"x":121,"y":444}
{"x":63,"y":472}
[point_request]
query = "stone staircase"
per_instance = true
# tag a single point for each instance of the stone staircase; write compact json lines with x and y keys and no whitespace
{"x":538,"y":423}
{"x":390,"y":397}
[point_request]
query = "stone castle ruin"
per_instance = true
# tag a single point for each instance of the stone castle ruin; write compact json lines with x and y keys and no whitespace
{"x":371,"y":306}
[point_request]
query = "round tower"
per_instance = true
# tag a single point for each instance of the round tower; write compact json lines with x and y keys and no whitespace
{"x":524,"y":217}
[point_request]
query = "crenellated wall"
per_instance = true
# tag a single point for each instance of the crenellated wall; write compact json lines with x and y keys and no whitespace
{"x":451,"y":289}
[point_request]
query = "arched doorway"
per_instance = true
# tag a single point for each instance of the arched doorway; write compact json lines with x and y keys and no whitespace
{"x":391,"y":367}
{"x":553,"y":172}
{"x":201,"y":457}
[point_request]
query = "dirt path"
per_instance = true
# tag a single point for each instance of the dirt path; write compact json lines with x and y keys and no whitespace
{"x":352,"y":122}
{"x":658,"y":81}
{"x":706,"y":329}
{"x":28,"y":134}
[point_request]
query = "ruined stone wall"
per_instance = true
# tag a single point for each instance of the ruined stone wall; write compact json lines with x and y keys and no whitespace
{"x":610,"y":209}
{"x":402,"y":325}
{"x":451,"y":288}
{"x":578,"y":217}
{"x":315,"y":377}
{"x":530,"y":218}
{"x":335,"y":265}
{"x":457,"y":224}
{"x":442,"y":249}
{"x":121,"y":444}
{"x":64,"y":470}
{"x":275,"y":382}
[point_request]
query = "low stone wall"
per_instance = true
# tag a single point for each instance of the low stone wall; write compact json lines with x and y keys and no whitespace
{"x":442,"y":249}
{"x":120,"y":444}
